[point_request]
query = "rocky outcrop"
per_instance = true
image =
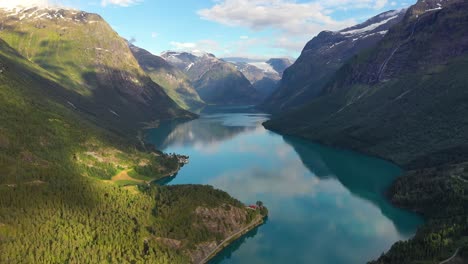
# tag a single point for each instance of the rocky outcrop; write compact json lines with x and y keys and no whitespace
{"x":225,"y":221}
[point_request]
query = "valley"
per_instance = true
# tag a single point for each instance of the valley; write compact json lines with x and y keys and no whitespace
{"x":127,"y":149}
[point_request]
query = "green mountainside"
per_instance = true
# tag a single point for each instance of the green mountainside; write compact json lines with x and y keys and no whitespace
{"x":77,"y":49}
{"x":175,"y":83}
{"x":406,"y":101}
{"x":63,"y":199}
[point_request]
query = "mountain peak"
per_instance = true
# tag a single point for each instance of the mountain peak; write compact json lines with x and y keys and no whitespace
{"x":41,"y":13}
{"x":425,"y":6}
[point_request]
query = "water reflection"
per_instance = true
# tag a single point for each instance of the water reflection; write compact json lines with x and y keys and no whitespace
{"x":326,"y":205}
{"x":359,"y":174}
{"x":205,"y":133}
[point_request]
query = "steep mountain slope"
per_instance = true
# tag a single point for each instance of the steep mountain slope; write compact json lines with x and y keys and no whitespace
{"x":406,"y":100}
{"x":174,"y":81}
{"x":216,"y":81}
{"x":78,"y":51}
{"x":323,"y":56}
{"x":59,"y":201}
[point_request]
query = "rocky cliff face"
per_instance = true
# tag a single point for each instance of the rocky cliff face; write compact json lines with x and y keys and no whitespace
{"x":216,"y":81}
{"x":224,"y":221}
{"x":77,"y":49}
{"x":323,"y":56}
{"x":174,"y":81}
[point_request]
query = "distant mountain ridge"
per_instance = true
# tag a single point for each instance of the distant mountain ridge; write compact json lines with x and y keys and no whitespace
{"x":263,"y":75}
{"x":323,"y":56}
{"x":216,"y":81}
{"x":174,"y":81}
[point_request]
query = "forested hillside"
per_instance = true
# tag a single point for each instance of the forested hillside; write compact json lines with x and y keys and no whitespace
{"x":60,"y":201}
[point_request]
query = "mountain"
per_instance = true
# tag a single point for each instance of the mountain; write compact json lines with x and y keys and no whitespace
{"x":216,"y":81}
{"x":78,"y":50}
{"x":85,"y":183}
{"x":263,"y":79}
{"x":323,"y":56}
{"x":405,"y":100}
{"x":279,"y":64}
{"x":263,"y":75}
{"x":174,"y":81}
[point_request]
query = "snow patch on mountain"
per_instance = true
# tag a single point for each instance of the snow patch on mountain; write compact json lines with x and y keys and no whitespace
{"x":42,"y":13}
{"x":368,"y":28}
{"x":263,"y":66}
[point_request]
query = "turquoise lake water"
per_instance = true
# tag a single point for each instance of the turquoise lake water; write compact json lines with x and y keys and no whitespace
{"x":326,"y":205}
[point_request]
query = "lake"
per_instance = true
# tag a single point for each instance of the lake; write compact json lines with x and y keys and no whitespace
{"x":325,"y":205}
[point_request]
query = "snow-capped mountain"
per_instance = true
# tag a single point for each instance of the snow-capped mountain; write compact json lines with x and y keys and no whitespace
{"x":263,"y":75}
{"x":39,"y":13}
{"x":216,"y":81}
{"x":174,"y":81}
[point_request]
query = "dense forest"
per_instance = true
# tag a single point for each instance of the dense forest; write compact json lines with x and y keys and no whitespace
{"x":441,"y":195}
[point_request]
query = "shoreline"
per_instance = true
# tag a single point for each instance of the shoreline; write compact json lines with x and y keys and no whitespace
{"x":167,"y":175}
{"x":229,"y":240}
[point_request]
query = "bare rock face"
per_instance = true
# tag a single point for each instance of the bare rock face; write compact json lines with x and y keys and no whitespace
{"x":222,"y":220}
{"x":172,"y":243}
{"x":225,"y":221}
{"x":202,"y":250}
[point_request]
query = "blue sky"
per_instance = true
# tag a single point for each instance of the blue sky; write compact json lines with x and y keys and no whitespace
{"x":248,"y":28}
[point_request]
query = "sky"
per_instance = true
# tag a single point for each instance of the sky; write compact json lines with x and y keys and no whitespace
{"x":257,"y":29}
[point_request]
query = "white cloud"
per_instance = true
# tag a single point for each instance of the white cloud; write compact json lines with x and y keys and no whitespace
{"x":25,"y":3}
{"x":201,"y":45}
{"x":123,"y":3}
{"x":291,"y":44}
{"x":293,"y":23}
{"x":154,"y":35}
{"x":183,"y":45}
{"x":287,"y":16}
